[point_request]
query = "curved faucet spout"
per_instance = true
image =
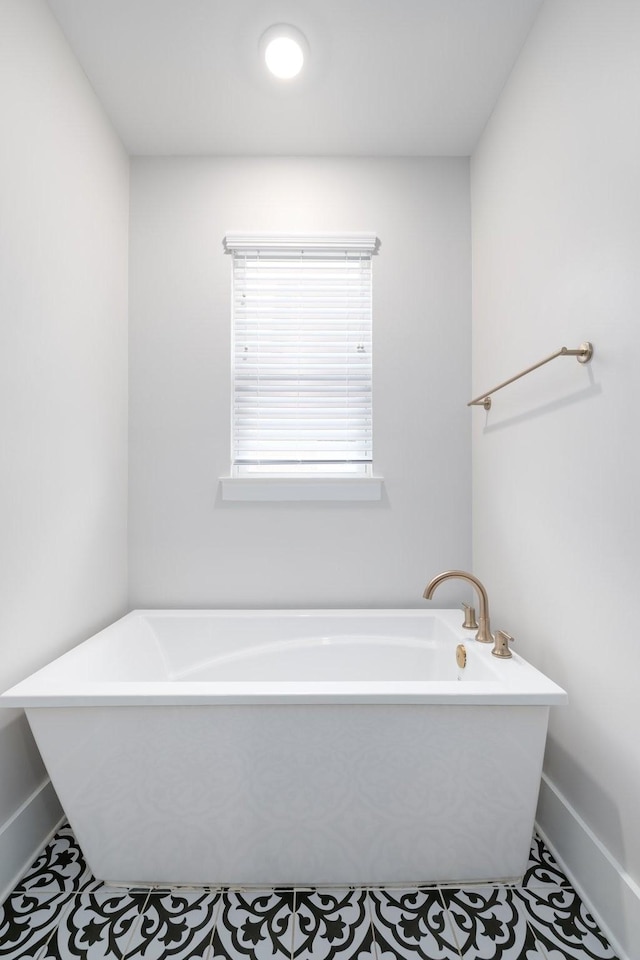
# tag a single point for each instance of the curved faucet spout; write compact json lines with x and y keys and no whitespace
{"x":484,"y":626}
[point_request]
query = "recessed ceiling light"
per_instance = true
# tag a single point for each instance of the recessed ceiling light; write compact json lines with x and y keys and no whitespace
{"x":284,"y":49}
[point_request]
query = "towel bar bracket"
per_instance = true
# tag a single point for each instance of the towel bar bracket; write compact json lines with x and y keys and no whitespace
{"x":584,"y":352}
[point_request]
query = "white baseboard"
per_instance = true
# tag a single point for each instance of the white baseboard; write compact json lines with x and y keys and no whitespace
{"x":24,"y":834}
{"x":610,"y":894}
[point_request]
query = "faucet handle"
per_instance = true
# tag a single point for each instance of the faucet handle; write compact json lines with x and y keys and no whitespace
{"x":501,"y":646}
{"x":469,"y":617}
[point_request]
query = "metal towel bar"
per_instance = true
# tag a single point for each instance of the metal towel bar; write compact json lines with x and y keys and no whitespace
{"x":583,"y":354}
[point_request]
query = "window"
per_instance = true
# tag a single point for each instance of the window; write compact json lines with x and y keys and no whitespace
{"x":302,"y":363}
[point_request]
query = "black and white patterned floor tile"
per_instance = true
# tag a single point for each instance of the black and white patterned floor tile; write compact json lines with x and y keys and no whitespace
{"x":254,"y":924}
{"x":542,"y":869}
{"x":61,"y":866}
{"x":27,"y":921}
{"x":96,"y":926}
{"x":60,"y":912}
{"x":412,"y":924}
{"x":563,"y":925}
{"x":32,"y":912}
{"x":331,"y":923}
{"x":490,"y":923}
{"x":177,"y":925}
{"x":556,"y":914}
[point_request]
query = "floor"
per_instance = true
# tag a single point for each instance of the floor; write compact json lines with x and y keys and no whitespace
{"x":59,"y":912}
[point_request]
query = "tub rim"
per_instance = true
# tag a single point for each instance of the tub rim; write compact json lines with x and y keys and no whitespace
{"x":523,"y":683}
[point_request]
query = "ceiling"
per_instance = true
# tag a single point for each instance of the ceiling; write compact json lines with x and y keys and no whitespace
{"x":384,"y":77}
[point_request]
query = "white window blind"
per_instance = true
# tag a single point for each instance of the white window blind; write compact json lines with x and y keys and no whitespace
{"x":302,"y":340}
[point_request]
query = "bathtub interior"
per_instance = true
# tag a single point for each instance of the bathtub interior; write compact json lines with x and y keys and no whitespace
{"x":265,"y":645}
{"x":305,"y":648}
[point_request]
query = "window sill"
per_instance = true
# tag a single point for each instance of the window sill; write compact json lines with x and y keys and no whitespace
{"x":301,"y":488}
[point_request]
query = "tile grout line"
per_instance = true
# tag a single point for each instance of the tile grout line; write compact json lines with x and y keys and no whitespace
{"x":376,"y":949}
{"x":449,"y":921}
{"x":134,"y":927}
{"x":294,"y":923}
{"x":540,"y":947}
{"x":216,"y":916}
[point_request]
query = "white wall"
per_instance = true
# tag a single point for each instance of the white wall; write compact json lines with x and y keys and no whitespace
{"x":187,"y":546}
{"x":556,"y":249}
{"x":63,"y":385}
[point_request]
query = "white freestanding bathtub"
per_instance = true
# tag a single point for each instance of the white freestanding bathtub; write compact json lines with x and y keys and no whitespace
{"x":292,"y":748}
